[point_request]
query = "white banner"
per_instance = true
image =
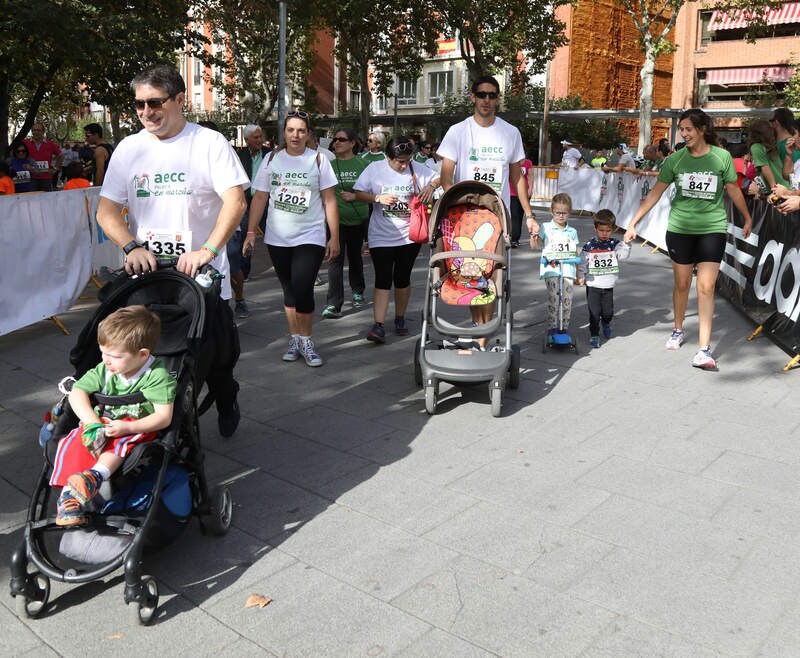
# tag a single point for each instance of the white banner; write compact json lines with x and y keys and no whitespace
{"x":592,"y":189}
{"x":50,"y":245}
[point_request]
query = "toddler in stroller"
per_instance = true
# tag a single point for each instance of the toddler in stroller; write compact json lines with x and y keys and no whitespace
{"x":469,"y":268}
{"x":157,"y":477}
{"x":94,"y":450}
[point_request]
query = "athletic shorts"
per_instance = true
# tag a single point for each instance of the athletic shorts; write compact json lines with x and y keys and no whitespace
{"x":692,"y":249}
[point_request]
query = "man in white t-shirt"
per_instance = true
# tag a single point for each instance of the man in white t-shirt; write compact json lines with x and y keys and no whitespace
{"x":571,"y":156}
{"x":183,"y":186}
{"x":488,"y":149}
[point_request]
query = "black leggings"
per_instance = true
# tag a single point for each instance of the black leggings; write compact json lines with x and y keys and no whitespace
{"x":297,"y":268}
{"x":394,"y":265}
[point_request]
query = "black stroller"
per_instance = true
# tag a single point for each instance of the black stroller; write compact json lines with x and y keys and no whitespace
{"x":469,"y":267}
{"x":161,"y":483}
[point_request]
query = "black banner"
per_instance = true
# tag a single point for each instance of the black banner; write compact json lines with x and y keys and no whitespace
{"x":761,"y":274}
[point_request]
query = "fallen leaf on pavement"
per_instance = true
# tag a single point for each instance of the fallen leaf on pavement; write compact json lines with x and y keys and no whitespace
{"x":257,"y":600}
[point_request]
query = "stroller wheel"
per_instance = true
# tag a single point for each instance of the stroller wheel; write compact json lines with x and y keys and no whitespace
{"x":219,"y":519}
{"x":28,"y":607}
{"x":496,"y":397}
{"x":417,"y":366}
{"x":431,"y":393}
{"x":513,"y":368}
{"x":142,"y":612}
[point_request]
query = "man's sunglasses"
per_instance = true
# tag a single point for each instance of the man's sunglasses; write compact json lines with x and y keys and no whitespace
{"x":340,"y":139}
{"x":404,"y":147}
{"x":23,"y":151}
{"x":152,"y":103}
{"x":486,"y":94}
{"x":297,"y":113}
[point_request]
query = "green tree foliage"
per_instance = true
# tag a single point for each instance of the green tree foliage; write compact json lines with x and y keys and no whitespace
{"x":249,"y":29}
{"x":388,"y":37}
{"x":592,"y":133}
{"x":491,"y":35}
{"x":100,"y":45}
{"x":791,"y":92}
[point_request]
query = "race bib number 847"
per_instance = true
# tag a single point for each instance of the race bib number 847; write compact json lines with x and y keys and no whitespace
{"x":699,"y":186}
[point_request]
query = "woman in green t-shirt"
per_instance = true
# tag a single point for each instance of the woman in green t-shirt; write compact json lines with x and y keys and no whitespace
{"x":697,"y":223}
{"x":352,"y":222}
{"x":762,"y":144}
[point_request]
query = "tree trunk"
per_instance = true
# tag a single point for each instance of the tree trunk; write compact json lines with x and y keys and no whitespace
{"x":5,"y":100}
{"x":646,"y":95}
{"x":366,"y":98}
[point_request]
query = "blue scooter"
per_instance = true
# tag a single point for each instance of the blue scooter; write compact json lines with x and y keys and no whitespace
{"x":559,"y":338}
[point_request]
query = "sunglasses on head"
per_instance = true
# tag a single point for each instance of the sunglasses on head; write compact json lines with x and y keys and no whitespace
{"x":486,"y":94}
{"x":341,"y":139}
{"x":152,"y":103}
{"x":297,"y":113}
{"x":404,"y":147}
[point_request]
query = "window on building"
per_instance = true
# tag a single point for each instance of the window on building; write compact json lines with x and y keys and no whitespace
{"x":704,"y":34}
{"x":354,"y":102}
{"x":439,"y":84}
{"x":198,"y":72}
{"x":407,"y":91}
{"x":380,"y":103}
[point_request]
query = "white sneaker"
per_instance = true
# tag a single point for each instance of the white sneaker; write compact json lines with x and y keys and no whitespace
{"x":293,"y":351}
{"x":306,"y":348}
{"x":704,"y":360}
{"x":675,"y":341}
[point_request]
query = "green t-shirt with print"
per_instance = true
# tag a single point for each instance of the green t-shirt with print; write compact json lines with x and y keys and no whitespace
{"x":697,"y":207}
{"x":351,"y":213}
{"x":775,"y":163}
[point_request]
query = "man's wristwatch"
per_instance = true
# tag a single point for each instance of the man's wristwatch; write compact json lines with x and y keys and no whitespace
{"x":133,"y":244}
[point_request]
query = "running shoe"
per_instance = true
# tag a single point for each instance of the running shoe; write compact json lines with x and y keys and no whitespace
{"x":358,"y":300}
{"x":309,"y":354}
{"x":68,"y":509}
{"x":594,"y":341}
{"x":704,"y":360}
{"x":331,"y":312}
{"x":675,"y":340}
{"x":318,"y":282}
{"x":241,"y":309}
{"x":400,"y":326}
{"x":608,"y":330}
{"x":293,"y":351}
{"x":84,"y":485}
{"x":377,"y":334}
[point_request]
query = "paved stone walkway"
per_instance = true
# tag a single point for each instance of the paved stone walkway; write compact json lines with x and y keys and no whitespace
{"x":625,"y":504}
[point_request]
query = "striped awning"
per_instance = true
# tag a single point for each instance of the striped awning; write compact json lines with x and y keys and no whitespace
{"x":720,"y":20}
{"x":749,"y":75}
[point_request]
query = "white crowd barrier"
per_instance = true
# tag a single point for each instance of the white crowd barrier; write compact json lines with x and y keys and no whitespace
{"x":51,"y":245}
{"x":593,"y":189}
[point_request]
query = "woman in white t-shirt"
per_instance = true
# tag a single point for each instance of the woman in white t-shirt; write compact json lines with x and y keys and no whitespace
{"x":299,"y":185}
{"x":389,"y":185}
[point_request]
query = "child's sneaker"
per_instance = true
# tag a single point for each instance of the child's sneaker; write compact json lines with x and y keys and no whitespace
{"x":608,"y":330}
{"x":68,"y":509}
{"x":704,"y":360}
{"x":358,"y":300}
{"x":309,"y":353}
{"x":400,"y":326}
{"x":675,"y":341}
{"x":377,"y":334}
{"x":292,"y":353}
{"x":594,"y":341}
{"x":84,"y":485}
